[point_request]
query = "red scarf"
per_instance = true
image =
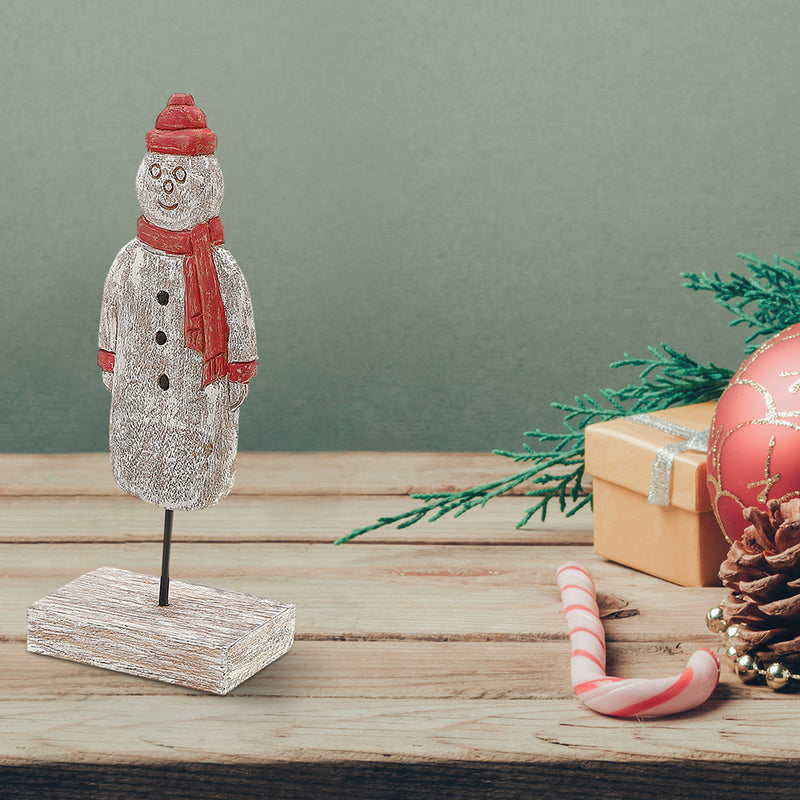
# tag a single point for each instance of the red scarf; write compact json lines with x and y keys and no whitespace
{"x":206,"y":328}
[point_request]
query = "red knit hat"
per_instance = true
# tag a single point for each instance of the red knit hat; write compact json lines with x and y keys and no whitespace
{"x":181,"y":129}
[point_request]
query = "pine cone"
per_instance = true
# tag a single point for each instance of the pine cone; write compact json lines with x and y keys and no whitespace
{"x":762,"y":572}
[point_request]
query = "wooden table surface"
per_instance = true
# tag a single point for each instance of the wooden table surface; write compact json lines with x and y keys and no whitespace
{"x":430,"y":662}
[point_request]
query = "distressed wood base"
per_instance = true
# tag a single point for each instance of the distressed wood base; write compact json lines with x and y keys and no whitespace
{"x":205,"y":638}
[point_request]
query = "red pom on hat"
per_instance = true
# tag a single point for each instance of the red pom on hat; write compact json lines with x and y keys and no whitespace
{"x":181,"y":129}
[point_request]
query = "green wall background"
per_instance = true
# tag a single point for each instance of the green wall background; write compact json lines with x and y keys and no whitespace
{"x":449,"y":213}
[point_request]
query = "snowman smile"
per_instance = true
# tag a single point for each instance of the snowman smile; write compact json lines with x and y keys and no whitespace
{"x":168,"y":208}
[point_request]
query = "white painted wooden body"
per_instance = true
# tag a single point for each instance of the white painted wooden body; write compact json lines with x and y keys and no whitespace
{"x":176,"y":447}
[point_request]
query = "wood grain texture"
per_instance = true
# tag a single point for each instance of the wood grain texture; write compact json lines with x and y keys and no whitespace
{"x":309,"y":519}
{"x":205,"y":638}
{"x":387,"y":668}
{"x":277,"y":474}
{"x":250,"y":730}
{"x":384,"y":591}
{"x":567,"y":778}
{"x":423,"y":667}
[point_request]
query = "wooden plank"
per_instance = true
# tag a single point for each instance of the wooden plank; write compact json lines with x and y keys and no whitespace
{"x":250,"y":729}
{"x":277,"y":519}
{"x":272,"y":473}
{"x":381,"y":591}
{"x":411,"y":669}
{"x":409,"y":702}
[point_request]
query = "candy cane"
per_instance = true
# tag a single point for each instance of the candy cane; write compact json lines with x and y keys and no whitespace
{"x":631,"y":697}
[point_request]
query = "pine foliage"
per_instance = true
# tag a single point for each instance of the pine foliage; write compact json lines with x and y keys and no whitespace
{"x":767,"y":301}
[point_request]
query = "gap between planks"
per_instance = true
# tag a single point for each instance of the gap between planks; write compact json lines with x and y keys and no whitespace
{"x":286,"y":497}
{"x":51,"y":519}
{"x":339,"y":591}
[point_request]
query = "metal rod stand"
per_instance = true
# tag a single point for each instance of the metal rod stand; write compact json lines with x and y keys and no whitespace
{"x":163,"y":592}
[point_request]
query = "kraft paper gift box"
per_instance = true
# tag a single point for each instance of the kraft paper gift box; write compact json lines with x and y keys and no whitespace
{"x":680,"y":542}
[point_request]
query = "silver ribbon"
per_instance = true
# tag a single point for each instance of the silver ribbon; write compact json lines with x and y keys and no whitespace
{"x":661,"y":475}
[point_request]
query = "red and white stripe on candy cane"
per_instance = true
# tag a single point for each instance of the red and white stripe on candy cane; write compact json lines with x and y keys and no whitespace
{"x":618,"y":697}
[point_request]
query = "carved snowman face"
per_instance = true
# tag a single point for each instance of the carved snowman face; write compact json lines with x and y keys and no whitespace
{"x":179,"y":192}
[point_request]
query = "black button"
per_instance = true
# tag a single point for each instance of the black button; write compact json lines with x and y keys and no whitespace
{"x":161,"y":337}
{"x":163,"y":382}
{"x":163,"y":297}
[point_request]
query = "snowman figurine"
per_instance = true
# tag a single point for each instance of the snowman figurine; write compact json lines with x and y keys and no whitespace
{"x":177,"y":340}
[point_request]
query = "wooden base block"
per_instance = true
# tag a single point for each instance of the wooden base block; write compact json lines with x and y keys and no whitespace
{"x":205,"y":638}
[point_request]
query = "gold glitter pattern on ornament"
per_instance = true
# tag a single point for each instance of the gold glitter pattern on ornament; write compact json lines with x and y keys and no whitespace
{"x":796,"y":385}
{"x":768,"y":480}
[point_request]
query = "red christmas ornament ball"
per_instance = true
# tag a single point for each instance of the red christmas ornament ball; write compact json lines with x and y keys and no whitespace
{"x":754,"y":444}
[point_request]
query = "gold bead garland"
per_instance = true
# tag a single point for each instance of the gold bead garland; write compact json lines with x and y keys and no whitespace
{"x":749,"y":668}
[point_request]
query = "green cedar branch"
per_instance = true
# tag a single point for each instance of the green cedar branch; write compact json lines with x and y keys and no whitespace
{"x":667,"y":378}
{"x":767,"y":301}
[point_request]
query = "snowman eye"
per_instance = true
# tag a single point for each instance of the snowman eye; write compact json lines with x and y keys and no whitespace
{"x":179,"y":173}
{"x":155,"y":170}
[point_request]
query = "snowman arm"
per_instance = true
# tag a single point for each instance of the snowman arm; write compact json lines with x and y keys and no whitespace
{"x":105,"y":360}
{"x":242,"y":353}
{"x":107,"y":335}
{"x":108,"y":331}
